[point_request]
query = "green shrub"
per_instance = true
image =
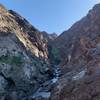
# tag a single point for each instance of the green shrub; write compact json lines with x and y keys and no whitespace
{"x":55,"y":52}
{"x":12,"y":60}
{"x":16,"y":60}
{"x":56,"y":55}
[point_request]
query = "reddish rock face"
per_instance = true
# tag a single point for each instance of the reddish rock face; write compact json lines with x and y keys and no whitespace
{"x":80,"y":51}
{"x":85,"y":88}
{"x":88,"y":28}
{"x":76,"y":44}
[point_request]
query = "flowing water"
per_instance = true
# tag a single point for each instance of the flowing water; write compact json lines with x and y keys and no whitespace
{"x":43,"y":91}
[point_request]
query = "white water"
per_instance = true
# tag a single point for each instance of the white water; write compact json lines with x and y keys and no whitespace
{"x":54,"y":80}
{"x":42,"y":94}
{"x":57,"y":73}
{"x":79,"y":75}
{"x":46,"y":94}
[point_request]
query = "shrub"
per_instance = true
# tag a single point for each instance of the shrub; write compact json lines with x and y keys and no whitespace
{"x":56,"y":55}
{"x":12,"y":60}
{"x":16,"y":60}
{"x":55,"y":52}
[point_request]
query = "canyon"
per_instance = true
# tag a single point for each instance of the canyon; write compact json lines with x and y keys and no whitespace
{"x":35,"y":65}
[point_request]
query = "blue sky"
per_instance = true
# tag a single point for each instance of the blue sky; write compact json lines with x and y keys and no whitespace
{"x":51,"y":15}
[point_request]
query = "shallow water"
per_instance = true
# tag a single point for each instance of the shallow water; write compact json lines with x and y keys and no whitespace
{"x":41,"y":91}
{"x":42,"y":94}
{"x":79,"y":75}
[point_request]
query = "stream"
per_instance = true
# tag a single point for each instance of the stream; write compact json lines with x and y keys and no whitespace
{"x":44,"y":91}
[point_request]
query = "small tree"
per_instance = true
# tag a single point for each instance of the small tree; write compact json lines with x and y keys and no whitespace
{"x":56,"y":55}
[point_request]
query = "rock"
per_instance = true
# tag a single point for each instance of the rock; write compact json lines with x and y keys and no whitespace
{"x":22,"y":51}
{"x":3,"y":84}
{"x":81,"y":70}
{"x":80,"y":75}
{"x":3,"y":52}
{"x":29,"y":71}
{"x":49,"y":37}
{"x":2,"y":9}
{"x":5,"y":69}
{"x":14,"y":95}
{"x":28,"y":55}
{"x":44,"y":95}
{"x":32,"y":38}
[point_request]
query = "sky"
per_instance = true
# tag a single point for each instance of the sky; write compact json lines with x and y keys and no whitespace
{"x":51,"y":15}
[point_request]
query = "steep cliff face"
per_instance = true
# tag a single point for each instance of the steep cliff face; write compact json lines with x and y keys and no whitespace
{"x":27,"y":34}
{"x":31,"y":37}
{"x":23,"y":56}
{"x":85,"y":34}
{"x":79,"y":48}
{"x":49,"y":37}
{"x":26,"y":54}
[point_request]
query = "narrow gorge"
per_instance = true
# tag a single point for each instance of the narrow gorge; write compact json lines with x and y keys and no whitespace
{"x":35,"y":65}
